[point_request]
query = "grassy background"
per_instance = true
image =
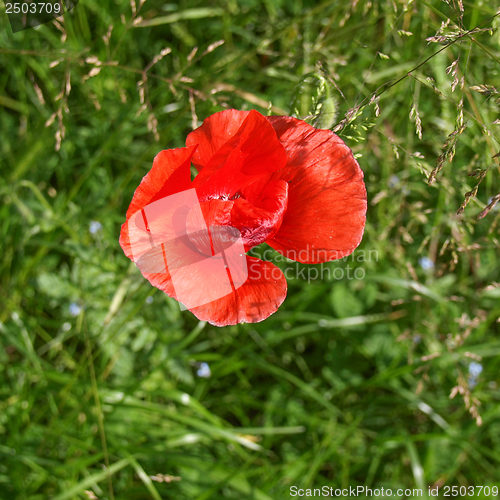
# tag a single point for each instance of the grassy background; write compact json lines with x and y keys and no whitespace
{"x":349,"y":383}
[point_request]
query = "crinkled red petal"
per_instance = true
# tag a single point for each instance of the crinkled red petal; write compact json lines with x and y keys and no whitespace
{"x":236,"y":157}
{"x":326,"y":210}
{"x":258,"y":214}
{"x":216,"y":130}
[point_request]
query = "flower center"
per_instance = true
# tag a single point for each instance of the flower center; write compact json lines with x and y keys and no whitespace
{"x":225,"y":196}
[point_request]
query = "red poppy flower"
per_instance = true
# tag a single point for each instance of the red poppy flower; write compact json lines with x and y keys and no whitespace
{"x":260,"y":179}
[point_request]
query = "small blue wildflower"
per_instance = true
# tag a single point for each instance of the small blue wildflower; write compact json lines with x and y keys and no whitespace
{"x":95,"y":226}
{"x":426,"y":264}
{"x":149,"y":300}
{"x":203,"y":371}
{"x":475,"y":369}
{"x":75,"y":309}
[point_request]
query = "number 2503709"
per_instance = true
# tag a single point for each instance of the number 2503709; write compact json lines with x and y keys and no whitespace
{"x":463,"y":491}
{"x":33,"y":8}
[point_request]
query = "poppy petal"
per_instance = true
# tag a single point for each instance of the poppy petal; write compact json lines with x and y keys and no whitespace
{"x":258,"y":214}
{"x":259,"y":297}
{"x":216,"y":130}
{"x":199,"y":267}
{"x":217,"y":212}
{"x":170,"y":174}
{"x":326,"y":210}
{"x":252,"y":150}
